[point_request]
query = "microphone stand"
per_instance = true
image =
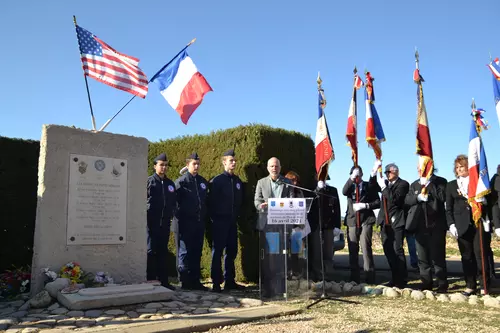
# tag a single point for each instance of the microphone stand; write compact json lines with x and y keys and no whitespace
{"x":318,"y":194}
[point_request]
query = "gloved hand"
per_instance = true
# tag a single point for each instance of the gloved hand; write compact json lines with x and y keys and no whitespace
{"x":381,"y":182}
{"x":454,"y":231}
{"x":359,"y":206}
{"x":482,"y":200}
{"x":422,"y":197}
{"x":336,"y":232}
{"x":354,"y":174}
{"x":321,"y":185}
{"x":424,"y":181}
{"x":497,"y":232}
{"x":377,"y":164}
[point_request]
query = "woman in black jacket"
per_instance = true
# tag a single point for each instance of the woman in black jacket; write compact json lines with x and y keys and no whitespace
{"x":462,"y":227}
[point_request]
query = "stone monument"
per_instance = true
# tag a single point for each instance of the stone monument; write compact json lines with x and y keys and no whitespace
{"x":91,"y":204}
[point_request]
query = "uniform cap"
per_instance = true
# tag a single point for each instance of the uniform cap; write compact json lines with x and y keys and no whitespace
{"x":229,"y":152}
{"x":161,"y":157}
{"x":193,"y":156}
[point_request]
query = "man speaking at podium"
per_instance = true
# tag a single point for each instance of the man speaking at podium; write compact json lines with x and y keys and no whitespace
{"x":272,"y":186}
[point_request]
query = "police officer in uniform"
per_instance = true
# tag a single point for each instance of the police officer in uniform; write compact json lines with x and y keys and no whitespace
{"x":161,"y":203}
{"x":224,"y":204}
{"x":190,"y":217}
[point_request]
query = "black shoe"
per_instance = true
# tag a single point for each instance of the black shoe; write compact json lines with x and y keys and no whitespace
{"x":468,"y":293}
{"x":168,"y":286}
{"x":186,"y":286}
{"x":233,"y":286}
{"x":216,"y":288}
{"x":199,"y":286}
{"x":442,"y":289}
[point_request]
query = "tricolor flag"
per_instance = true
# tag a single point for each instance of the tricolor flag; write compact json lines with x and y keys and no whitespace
{"x":424,"y":144}
{"x":494,"y":66}
{"x":103,"y":63}
{"x":479,"y":180}
{"x":374,"y":132}
{"x":352,"y":120}
{"x":182,"y":85}
{"x":324,"y":148}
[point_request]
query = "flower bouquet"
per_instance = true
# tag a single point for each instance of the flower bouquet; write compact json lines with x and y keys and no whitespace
{"x":72,"y":271}
{"x":14,"y":282}
{"x":102,"y":279}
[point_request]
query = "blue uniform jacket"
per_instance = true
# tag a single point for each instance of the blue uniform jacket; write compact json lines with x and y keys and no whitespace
{"x":191,"y":198}
{"x":226,"y":196}
{"x":161,"y":202}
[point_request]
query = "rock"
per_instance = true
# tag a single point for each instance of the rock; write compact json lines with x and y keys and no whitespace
{"x":473,"y":300}
{"x":59,"y":311}
{"x":232,"y":305}
{"x":336,"y":288}
{"x":356,"y":289}
{"x":376,"y":291}
{"x":417,"y":295}
{"x":28,"y":319}
{"x":328,"y":285}
{"x":209,"y":298}
{"x":227,"y":299}
{"x":248,"y":302}
{"x":66,"y":322}
{"x":218,"y":305}
{"x":54,"y":287}
{"x":116,"y":312}
{"x":132,"y":314}
{"x":185,"y":295}
{"x":199,"y":311}
{"x":348,"y":287}
{"x":177,"y":312}
{"x":18,"y":314}
{"x":103,"y":318}
{"x":6,"y":311}
{"x":16,"y":304}
{"x":41,"y":300}
{"x":206,"y":304}
{"x":406,"y":292}
{"x":391,"y":293}
{"x":145,"y":315}
{"x":85,"y":322}
{"x":443,"y":298}
{"x":147,"y":311}
{"x":365,"y":290}
{"x":173,"y":305}
{"x":76,"y":313}
{"x":53,"y":306}
{"x":458,"y":298}
{"x":168,"y":316}
{"x":92,"y":314}
{"x":6,"y":322}
{"x":153,"y":306}
{"x":215,"y":310}
{"x":35,"y":311}
{"x":25,"y":306}
{"x":32,"y":329}
{"x":491,"y":302}
{"x":429,"y":295}
{"x":13,"y":330}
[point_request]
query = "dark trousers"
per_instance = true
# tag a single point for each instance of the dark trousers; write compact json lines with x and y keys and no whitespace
{"x":272,"y":261}
{"x":157,"y":241}
{"x":225,"y":236}
{"x":191,"y":236}
{"x":314,"y":252}
{"x":431,"y":248}
{"x":356,"y":237}
{"x":470,"y":250}
{"x":392,"y":242}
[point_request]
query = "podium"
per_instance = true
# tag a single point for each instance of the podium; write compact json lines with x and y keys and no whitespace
{"x":283,"y":258}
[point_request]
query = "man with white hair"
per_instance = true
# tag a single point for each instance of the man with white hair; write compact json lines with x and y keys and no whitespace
{"x":392,"y":219}
{"x":272,"y":186}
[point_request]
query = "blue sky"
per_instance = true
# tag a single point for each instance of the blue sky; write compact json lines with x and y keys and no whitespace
{"x":261,"y":58}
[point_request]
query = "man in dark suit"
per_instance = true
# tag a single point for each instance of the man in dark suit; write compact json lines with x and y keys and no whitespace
{"x":360,"y":210}
{"x":391,"y":218}
{"x":426,"y":198}
{"x":494,"y":206}
{"x":272,"y":186}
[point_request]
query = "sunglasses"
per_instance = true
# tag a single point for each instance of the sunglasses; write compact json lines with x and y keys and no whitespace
{"x":388,"y":172}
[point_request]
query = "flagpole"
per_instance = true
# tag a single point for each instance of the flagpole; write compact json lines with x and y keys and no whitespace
{"x":480,"y":227}
{"x":152,"y":78}
{"x":354,"y":96}
{"x":86,"y":82}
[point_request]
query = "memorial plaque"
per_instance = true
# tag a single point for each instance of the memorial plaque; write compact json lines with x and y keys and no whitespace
{"x":97,"y":203}
{"x":286,"y":211}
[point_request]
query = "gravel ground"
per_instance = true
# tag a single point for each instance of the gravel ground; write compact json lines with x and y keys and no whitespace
{"x":380,"y":315}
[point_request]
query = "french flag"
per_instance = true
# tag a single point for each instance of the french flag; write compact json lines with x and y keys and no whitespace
{"x":495,"y":70}
{"x":374,"y":132}
{"x":324,"y":148}
{"x":352,"y":123}
{"x":182,"y":85}
{"x":479,"y":180}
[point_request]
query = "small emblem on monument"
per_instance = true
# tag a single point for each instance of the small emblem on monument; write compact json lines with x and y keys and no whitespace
{"x":116,"y":171}
{"x":99,"y":165}
{"x":82,"y":167}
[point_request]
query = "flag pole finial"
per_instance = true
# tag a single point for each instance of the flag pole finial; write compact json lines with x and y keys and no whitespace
{"x":417,"y":58}
{"x":192,"y":41}
{"x":355,"y":71}
{"x":319,"y":81}
{"x":74,"y":21}
{"x":473,"y":105}
{"x":490,"y":56}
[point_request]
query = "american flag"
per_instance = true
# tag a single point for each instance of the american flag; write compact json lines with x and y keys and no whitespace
{"x":103,"y":63}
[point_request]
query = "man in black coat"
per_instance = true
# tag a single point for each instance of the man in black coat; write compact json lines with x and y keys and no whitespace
{"x":330,"y":224}
{"x":190,"y":217}
{"x":224,"y":205}
{"x":394,"y":190}
{"x":360,"y":210}
{"x":161,"y":203}
{"x":427,"y":219}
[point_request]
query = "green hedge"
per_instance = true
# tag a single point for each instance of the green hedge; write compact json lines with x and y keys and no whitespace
{"x":18,"y":199}
{"x":254,"y":145}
